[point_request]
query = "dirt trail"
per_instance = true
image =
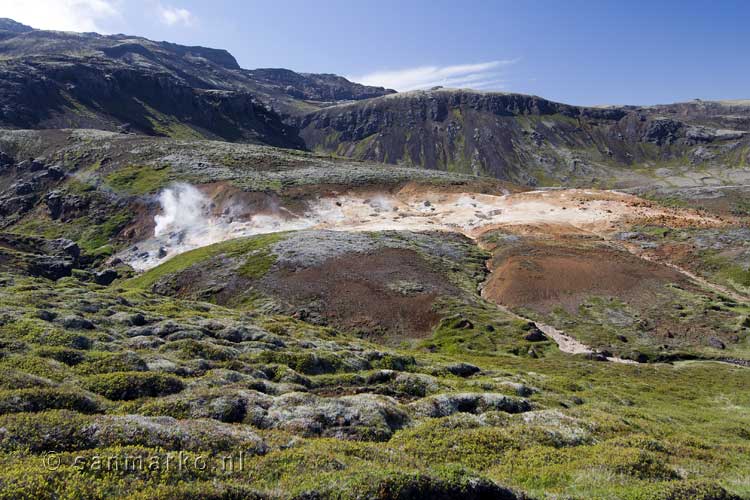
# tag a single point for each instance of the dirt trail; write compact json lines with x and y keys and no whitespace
{"x":565,"y":343}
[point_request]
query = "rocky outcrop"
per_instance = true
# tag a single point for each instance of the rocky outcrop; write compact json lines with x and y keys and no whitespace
{"x":51,"y":79}
{"x":110,"y":96}
{"x":52,"y":259}
{"x":522,"y":138}
{"x":316,"y":87}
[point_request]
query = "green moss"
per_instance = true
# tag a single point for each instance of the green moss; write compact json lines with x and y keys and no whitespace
{"x":254,"y":245}
{"x":96,"y":240}
{"x":108,"y":362}
{"x":65,"y":355}
{"x":479,"y":327}
{"x":79,"y":187}
{"x":363,"y":146}
{"x":596,"y":430}
{"x":25,"y":328}
{"x":14,"y":379}
{"x":35,"y":365}
{"x":169,"y":126}
{"x":739,"y":275}
{"x":41,"y":399}
{"x":133,"y":385}
{"x":94,"y":236}
{"x":196,"y":349}
{"x":303,"y":362}
{"x":655,"y":231}
{"x":138,"y":179}
{"x":392,"y":361}
{"x":77,"y":107}
{"x":257,"y":264}
{"x":57,"y":430}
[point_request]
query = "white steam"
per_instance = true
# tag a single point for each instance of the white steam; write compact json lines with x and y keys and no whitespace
{"x":184,"y":209}
{"x":186,"y":222}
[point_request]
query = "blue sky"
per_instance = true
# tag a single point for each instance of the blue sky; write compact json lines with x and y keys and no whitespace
{"x":580,"y":52}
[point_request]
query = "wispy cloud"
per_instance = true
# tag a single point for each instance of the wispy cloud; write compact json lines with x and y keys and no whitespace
{"x":483,"y":75}
{"x":173,"y":16}
{"x":62,"y":15}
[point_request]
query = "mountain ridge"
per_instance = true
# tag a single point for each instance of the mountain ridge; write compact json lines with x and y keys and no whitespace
{"x":528,"y":139}
{"x":54,"y":79}
{"x":132,"y":84}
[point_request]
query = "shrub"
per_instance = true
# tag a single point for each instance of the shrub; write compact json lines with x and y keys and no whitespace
{"x":35,"y":365}
{"x":196,"y":349}
{"x":57,"y":430}
{"x":109,"y":362}
{"x":12,"y":379}
{"x":133,"y":385}
{"x":40,"y":399}
{"x":304,"y":362}
{"x":65,"y":355}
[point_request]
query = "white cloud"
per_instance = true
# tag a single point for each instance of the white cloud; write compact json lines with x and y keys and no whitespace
{"x":61,"y":15}
{"x":172,"y":16}
{"x":483,"y":75}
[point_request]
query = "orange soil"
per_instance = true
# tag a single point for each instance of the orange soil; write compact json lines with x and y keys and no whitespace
{"x":544,"y":277}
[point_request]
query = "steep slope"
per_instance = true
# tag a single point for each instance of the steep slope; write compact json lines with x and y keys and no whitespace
{"x":63,"y":80}
{"x":531,"y":140}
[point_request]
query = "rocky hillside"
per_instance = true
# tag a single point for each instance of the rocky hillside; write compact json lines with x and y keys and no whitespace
{"x":531,"y":140}
{"x":125,"y":83}
{"x":203,"y":315}
{"x":63,"y":80}
{"x":318,"y":89}
{"x":100,"y":189}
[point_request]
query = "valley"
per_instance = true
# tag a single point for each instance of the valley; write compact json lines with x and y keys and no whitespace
{"x":355,"y":292}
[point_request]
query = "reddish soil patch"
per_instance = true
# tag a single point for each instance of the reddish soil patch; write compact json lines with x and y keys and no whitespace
{"x":142,"y":224}
{"x":549,"y":276}
{"x":226,"y":198}
{"x":355,"y":292}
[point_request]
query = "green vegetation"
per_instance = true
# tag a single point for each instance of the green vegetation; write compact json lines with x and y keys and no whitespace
{"x":167,"y":125}
{"x":481,"y":328}
{"x":321,"y":412}
{"x":132,"y":385}
{"x":138,"y":179}
{"x":258,"y":261}
{"x":594,"y":429}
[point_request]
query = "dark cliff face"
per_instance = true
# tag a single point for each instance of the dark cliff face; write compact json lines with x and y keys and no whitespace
{"x":54,"y":79}
{"x":521,"y":138}
{"x":72,"y":94}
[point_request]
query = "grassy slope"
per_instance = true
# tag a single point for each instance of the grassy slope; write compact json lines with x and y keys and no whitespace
{"x":609,"y":430}
{"x":598,"y":430}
